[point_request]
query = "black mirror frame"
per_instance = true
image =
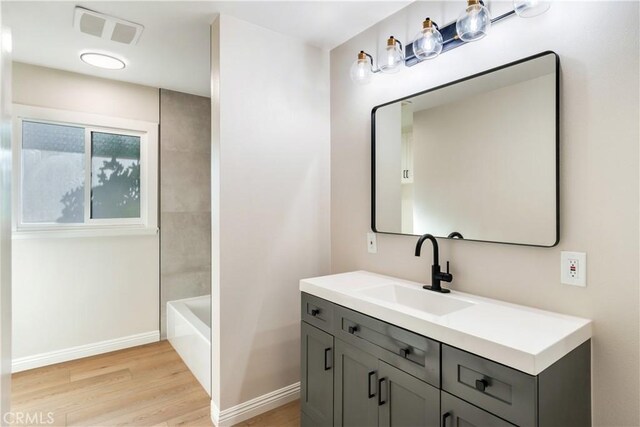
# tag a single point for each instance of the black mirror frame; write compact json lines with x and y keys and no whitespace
{"x":557,"y":166}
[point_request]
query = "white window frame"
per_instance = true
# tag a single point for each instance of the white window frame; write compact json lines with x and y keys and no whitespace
{"x":148,"y":133}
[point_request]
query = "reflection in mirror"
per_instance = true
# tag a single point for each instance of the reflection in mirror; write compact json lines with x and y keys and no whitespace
{"x":475,"y":159}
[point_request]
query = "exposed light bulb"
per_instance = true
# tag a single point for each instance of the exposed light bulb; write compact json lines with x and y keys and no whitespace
{"x":474,"y":23}
{"x":428,"y":42}
{"x":361,"y":69}
{"x":393,"y":57}
{"x":530,"y":8}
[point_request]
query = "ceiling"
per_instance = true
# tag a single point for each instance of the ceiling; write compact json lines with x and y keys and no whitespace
{"x":173,"y":52}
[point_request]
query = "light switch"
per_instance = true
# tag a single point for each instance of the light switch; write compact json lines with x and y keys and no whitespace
{"x":573,"y":268}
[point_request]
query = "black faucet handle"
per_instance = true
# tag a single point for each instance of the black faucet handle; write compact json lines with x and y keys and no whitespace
{"x":446,"y":277}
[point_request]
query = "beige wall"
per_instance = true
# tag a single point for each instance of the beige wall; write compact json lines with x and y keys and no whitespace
{"x":47,"y":87}
{"x":270,"y":203}
{"x":599,"y":177}
{"x":77,"y":291}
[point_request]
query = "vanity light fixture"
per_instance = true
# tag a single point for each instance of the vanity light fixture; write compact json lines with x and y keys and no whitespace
{"x":393,"y":56}
{"x":428,"y":42}
{"x":431,"y":41}
{"x":474,"y":23}
{"x":101,"y":60}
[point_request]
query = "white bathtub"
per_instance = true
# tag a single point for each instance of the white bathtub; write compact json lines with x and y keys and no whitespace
{"x":189,"y":332}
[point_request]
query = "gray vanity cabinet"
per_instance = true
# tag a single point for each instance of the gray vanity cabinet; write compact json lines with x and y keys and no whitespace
{"x":316,"y":397}
{"x":370,"y":392}
{"x":358,"y":371}
{"x":356,"y":382}
{"x":405,"y":401}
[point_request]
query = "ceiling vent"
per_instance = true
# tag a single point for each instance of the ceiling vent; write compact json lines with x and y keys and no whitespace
{"x":106,"y":27}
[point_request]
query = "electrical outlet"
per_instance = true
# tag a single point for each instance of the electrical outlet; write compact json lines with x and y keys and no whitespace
{"x":372,"y":244}
{"x":573,"y":268}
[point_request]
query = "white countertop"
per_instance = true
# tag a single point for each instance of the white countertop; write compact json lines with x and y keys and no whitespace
{"x":523,"y":338}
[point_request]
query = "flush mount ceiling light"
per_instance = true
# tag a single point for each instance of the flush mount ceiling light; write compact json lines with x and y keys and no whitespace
{"x":431,"y":41}
{"x":102,"y":61}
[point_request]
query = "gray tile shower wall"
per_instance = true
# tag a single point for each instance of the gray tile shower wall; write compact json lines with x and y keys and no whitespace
{"x":185,"y":198}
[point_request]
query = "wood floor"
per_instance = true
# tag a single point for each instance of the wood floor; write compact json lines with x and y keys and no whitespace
{"x":143,"y":386}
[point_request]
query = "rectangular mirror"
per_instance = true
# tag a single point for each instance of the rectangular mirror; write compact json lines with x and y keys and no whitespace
{"x":476,"y":158}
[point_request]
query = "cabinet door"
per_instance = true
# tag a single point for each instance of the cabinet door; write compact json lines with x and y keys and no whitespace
{"x":355,"y":387}
{"x":458,"y":413}
{"x":404,"y":400}
{"x":317,"y":376}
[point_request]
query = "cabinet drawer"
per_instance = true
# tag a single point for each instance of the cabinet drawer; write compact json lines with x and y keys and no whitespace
{"x":412,"y":353}
{"x":458,"y":413}
{"x":506,"y":392}
{"x":317,"y":312}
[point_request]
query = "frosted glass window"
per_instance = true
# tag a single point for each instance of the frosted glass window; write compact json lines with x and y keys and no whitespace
{"x":115,"y":176}
{"x":52,"y":173}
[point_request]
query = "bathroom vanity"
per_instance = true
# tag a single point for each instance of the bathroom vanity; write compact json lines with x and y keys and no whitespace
{"x":381,"y":351}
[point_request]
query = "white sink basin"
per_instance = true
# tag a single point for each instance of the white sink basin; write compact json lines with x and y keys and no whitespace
{"x":418,"y":299}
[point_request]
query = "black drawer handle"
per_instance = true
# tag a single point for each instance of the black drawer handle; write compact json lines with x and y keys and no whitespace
{"x":354,"y":329}
{"x":444,"y":419}
{"x":380,"y":382}
{"x":405,"y":352}
{"x":482,"y":384}
{"x":327,"y":365}
{"x":371,"y":393}
{"x":315,"y":312}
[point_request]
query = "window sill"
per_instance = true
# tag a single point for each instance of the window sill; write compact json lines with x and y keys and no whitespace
{"x":82,"y":232}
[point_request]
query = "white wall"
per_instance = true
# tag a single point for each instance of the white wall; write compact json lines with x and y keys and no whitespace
{"x":270,"y":195}
{"x":77,"y":291}
{"x":599,"y":176}
{"x":388,"y":168}
{"x":5,"y":219}
{"x":478,"y":179}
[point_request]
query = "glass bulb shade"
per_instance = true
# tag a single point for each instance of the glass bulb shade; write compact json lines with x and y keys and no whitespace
{"x":427,"y":44}
{"x":530,"y":8}
{"x":361,"y":71}
{"x":391,"y":60}
{"x":474,"y":23}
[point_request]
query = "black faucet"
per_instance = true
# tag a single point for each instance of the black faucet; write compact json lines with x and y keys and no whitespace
{"x":436,"y":275}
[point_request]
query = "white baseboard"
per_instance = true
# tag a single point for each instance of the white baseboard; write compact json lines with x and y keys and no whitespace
{"x":254,"y":407}
{"x":64,"y":355}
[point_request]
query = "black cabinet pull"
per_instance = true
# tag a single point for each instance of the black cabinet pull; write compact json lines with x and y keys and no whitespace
{"x":444,"y":419}
{"x":380,"y":381}
{"x":405,"y":352}
{"x":315,"y":312}
{"x":482,"y":384}
{"x":371,"y":393}
{"x":327,"y":365}
{"x":353,"y":329}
